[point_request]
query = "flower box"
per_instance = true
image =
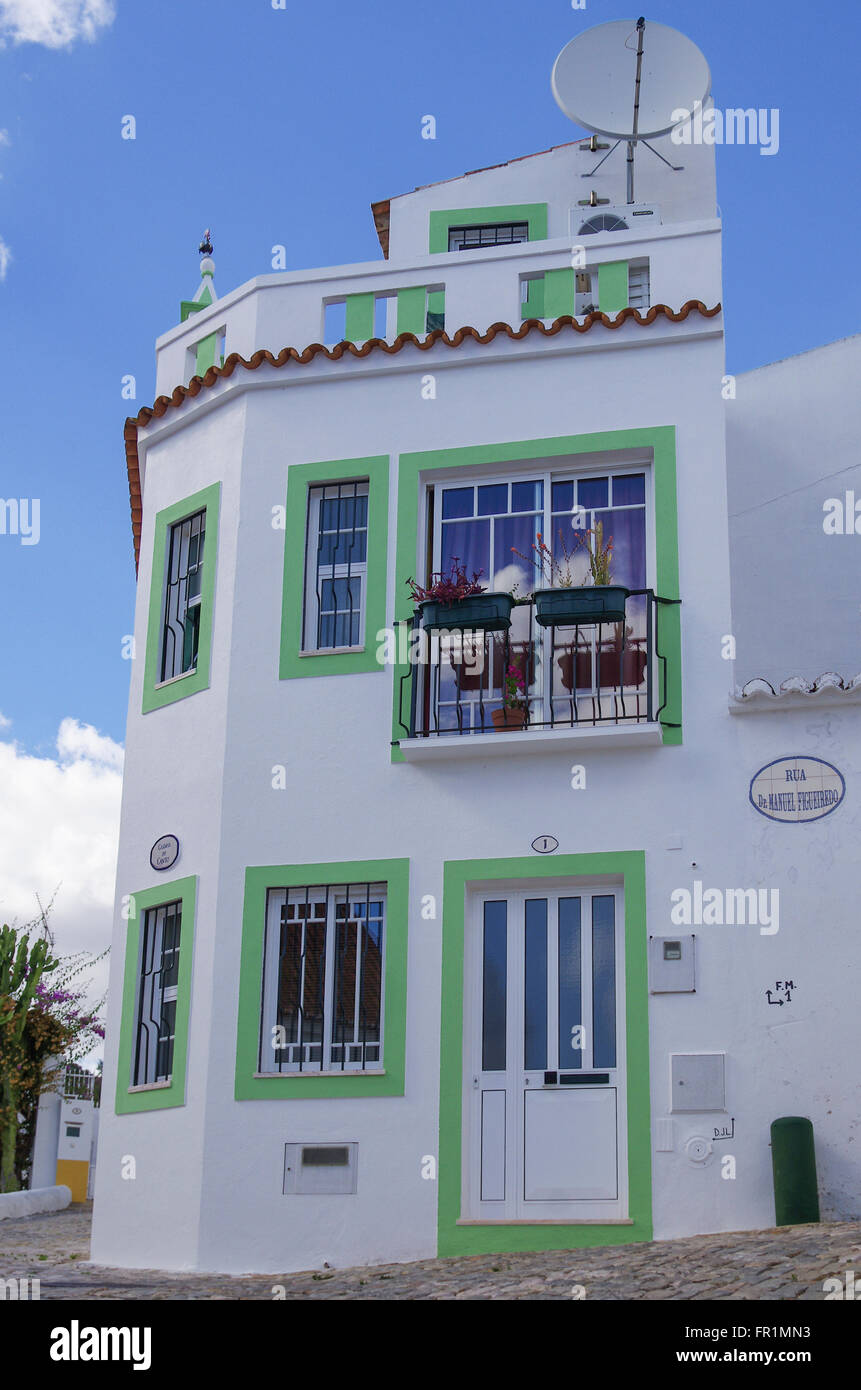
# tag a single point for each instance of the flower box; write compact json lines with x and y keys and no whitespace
{"x":602,"y":603}
{"x":478,"y":613}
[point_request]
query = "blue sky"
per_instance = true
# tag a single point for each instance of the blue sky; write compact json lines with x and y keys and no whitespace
{"x":281,"y":126}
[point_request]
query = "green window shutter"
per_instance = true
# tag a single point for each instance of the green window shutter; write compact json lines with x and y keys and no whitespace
{"x":558,"y":293}
{"x":412,"y":309}
{"x":613,"y":287}
{"x":360,"y":317}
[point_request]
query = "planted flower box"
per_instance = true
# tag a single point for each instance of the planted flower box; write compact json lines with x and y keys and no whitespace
{"x":602,"y":603}
{"x":477,"y":613}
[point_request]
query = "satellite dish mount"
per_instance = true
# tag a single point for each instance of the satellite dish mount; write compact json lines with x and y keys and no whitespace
{"x":591,"y":85}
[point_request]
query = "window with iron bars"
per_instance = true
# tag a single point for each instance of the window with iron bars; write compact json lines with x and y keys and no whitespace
{"x":493,"y":234}
{"x":336,"y":567}
{"x":323,"y":979}
{"x":155,"y":1024}
{"x":181,"y":624}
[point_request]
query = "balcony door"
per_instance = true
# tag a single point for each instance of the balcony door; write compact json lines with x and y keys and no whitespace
{"x":495,"y":529}
{"x":544,"y":1084}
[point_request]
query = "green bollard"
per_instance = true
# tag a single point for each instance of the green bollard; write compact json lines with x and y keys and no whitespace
{"x":793,"y":1158}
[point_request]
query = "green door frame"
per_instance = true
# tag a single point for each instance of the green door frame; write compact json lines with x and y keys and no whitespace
{"x":476,"y":1238}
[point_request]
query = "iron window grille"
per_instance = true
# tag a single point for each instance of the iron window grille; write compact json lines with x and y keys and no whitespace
{"x":493,"y":234}
{"x":181,"y":627}
{"x":155,"y":1026}
{"x":322,"y":988}
{"x":336,"y":566}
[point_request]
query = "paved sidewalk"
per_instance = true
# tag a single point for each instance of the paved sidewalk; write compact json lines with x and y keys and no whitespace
{"x":786,"y":1264}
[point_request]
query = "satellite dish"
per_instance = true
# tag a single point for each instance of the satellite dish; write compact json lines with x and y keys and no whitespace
{"x":626,"y":78}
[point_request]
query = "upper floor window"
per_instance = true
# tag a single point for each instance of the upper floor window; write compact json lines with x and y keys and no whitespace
{"x":336,"y":566}
{"x":323,"y":978}
{"x":155,"y":1021}
{"x":181,"y":623}
{"x":492,"y":234}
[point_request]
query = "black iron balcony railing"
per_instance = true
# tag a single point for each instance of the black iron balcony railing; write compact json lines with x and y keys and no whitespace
{"x":585,"y":675}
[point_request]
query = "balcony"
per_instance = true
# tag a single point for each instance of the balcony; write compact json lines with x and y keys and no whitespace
{"x":567,"y":686}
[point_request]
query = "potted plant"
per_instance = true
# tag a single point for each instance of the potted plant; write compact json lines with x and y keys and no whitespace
{"x":515,"y":707}
{"x":575,"y":661}
{"x":454,"y":600}
{"x":566,"y":604}
{"x":628,"y":663}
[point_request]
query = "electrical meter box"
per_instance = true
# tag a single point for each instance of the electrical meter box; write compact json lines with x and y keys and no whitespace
{"x":671,"y":964}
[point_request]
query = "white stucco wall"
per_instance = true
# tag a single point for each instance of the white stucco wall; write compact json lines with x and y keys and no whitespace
{"x":208,"y":1186}
{"x":792,"y":443}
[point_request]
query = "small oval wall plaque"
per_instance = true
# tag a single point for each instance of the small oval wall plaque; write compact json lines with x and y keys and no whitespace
{"x":797,"y":789}
{"x":164,"y":852}
{"x":545,"y":844}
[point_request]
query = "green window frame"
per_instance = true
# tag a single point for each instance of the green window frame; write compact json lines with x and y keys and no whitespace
{"x":157,"y":694}
{"x":159,"y":1095}
{"x":300,"y":478}
{"x":477,"y":1239}
{"x":389,"y":1078}
{"x":533,"y":214}
{"x":660,"y":440}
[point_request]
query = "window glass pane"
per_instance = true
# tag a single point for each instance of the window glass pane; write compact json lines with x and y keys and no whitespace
{"x":289,"y":976}
{"x":628,"y":489}
{"x":492,"y":499}
{"x":372,"y":974}
{"x":535,"y":1026}
{"x":604,"y":981}
{"x":592,"y":492}
{"x":570,"y":969}
{"x":514,"y":534}
{"x":494,"y":986}
{"x":628,"y":531}
{"x":527,"y":497}
{"x":457,"y":502}
{"x":470,"y":542}
{"x":562,"y":497}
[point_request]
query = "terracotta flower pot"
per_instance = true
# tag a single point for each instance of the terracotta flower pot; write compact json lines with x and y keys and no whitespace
{"x":509,"y":718}
{"x":581,"y":662}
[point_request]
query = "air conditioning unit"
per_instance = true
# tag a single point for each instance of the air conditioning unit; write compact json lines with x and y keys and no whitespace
{"x":623,"y":217}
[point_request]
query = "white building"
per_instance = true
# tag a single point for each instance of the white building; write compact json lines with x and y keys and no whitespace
{"x":537,"y":1047}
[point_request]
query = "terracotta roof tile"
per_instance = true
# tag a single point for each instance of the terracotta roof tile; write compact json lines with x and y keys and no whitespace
{"x":287,"y":355}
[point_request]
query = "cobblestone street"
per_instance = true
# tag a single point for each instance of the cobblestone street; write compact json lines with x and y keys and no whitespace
{"x":787,"y":1264}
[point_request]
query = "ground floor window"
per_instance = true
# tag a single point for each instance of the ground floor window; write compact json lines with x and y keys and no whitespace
{"x":323,"y":978}
{"x":155,"y":1024}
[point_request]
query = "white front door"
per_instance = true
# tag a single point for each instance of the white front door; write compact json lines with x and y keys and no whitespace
{"x":544,"y":1087}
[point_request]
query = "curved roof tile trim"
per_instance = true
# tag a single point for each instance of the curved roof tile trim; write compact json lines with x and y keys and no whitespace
{"x":761,"y":689}
{"x":334,"y":354}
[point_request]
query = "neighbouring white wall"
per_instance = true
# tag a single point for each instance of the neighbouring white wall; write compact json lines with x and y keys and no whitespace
{"x":792,"y":443}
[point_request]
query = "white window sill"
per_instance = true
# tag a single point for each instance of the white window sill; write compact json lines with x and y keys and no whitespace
{"x":505,"y":743}
{"x":152,"y":1086}
{"x":313,"y":1075}
{"x":161,"y":685}
{"x":332,"y":651}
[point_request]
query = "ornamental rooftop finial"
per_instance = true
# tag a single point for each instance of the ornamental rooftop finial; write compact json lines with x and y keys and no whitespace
{"x":206,"y":294}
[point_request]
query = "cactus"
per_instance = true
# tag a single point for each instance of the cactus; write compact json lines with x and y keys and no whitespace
{"x":22,"y":966}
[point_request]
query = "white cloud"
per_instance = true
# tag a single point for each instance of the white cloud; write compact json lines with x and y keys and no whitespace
{"x":4,"y":138}
{"x":5,"y":258}
{"x":59,"y":827}
{"x":4,"y":722}
{"x":76,"y":742}
{"x":54,"y":23}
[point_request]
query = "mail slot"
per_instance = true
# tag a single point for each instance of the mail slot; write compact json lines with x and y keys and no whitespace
{"x":576,"y":1078}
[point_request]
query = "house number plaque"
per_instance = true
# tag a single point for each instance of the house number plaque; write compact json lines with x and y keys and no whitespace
{"x":545,"y":844}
